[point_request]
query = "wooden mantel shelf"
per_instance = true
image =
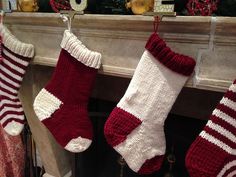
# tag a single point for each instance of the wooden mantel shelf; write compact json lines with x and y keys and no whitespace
{"x":121,"y":40}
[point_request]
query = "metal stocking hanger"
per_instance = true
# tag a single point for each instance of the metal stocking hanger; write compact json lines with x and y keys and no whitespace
{"x":78,"y":9}
{"x":161,"y":8}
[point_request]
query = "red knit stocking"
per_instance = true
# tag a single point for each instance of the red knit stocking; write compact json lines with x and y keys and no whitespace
{"x":62,"y":104}
{"x":212,"y":154}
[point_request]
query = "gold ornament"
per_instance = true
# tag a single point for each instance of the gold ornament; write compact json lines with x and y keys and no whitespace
{"x":140,"y":6}
{"x":28,"y":5}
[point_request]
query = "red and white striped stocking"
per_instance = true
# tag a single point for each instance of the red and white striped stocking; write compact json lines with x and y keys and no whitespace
{"x":213,"y":153}
{"x":15,"y":58}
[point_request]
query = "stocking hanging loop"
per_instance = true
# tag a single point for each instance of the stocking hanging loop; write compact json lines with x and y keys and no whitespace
{"x":156,"y":23}
{"x":68,"y":15}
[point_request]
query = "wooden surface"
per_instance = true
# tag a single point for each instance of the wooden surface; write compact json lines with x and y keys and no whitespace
{"x":121,"y":40}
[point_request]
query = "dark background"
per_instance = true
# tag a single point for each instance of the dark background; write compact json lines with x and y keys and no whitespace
{"x":100,"y":160}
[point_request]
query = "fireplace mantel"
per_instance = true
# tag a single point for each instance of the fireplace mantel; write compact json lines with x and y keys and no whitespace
{"x":121,"y":40}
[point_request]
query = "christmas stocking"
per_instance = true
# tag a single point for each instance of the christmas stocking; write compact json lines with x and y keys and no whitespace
{"x":135,"y":126}
{"x":62,"y":104}
{"x":213,"y":153}
{"x":15,"y":57}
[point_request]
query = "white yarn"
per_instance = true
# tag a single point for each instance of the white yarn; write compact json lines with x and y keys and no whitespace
{"x":78,"y":144}
{"x":45,"y":104}
{"x":16,"y":46}
{"x":227,"y":167}
{"x":76,"y":49}
{"x":149,"y":97}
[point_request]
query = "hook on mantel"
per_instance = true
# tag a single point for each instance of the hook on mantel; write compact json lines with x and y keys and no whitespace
{"x":68,"y":15}
{"x":158,"y":17}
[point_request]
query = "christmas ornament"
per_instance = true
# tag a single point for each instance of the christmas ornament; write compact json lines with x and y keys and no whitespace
{"x":202,"y":7}
{"x":212,"y":154}
{"x":28,"y":5}
{"x":16,"y":57}
{"x":62,"y":104}
{"x":140,"y":6}
{"x":135,"y":127}
{"x":58,"y":5}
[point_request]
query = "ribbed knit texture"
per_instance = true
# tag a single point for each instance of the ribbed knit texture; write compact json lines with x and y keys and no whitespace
{"x":176,"y":62}
{"x":14,"y":45}
{"x":213,"y":153}
{"x":62,"y":104}
{"x":76,"y":49}
{"x":135,"y":126}
{"x":15,"y":57}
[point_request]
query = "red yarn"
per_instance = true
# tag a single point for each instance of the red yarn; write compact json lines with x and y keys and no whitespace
{"x":228,"y":172}
{"x":58,"y":5}
{"x":176,"y":62}
{"x":209,"y":155}
{"x":15,"y":84}
{"x":1,"y":58}
{"x":126,"y":120}
{"x":119,"y":125}
{"x":202,"y":7}
{"x":151,"y":165}
{"x":72,"y":83}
